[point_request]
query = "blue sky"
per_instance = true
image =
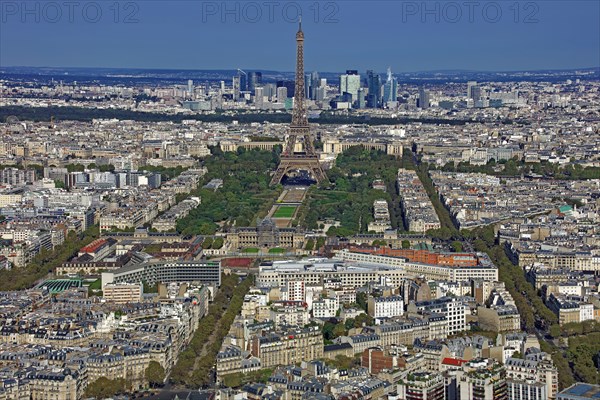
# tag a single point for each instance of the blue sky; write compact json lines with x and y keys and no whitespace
{"x":406,"y":35}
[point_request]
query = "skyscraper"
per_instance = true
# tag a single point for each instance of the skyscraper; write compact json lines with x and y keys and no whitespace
{"x":360,"y":102}
{"x":259,"y":97}
{"x":269,"y":90}
{"x":307,"y":86}
{"x":190,"y":88}
{"x":236,"y":87}
{"x":282,"y":94}
{"x":290,"y":85}
{"x":374,"y":86}
{"x":424,"y":98}
{"x":350,"y":83}
{"x":315,"y":84}
{"x":390,"y":88}
{"x":243,"y":81}
{"x":319,"y":93}
{"x":254,"y":81}
{"x":473,"y":90}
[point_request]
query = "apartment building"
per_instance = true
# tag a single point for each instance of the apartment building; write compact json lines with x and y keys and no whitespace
{"x":386,"y":307}
{"x":288,"y":347}
{"x":122,"y":293}
{"x":533,"y":378}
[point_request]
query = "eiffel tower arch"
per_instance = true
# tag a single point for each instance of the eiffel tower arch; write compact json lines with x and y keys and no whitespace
{"x":299,"y":130}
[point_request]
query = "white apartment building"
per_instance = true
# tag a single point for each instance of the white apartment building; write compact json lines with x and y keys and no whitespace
{"x":453,"y":308}
{"x":586,"y":312}
{"x":386,"y":307}
{"x":325,"y":308}
{"x":296,"y":291}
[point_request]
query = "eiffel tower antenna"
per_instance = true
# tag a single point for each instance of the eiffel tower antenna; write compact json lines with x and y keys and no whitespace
{"x":299,"y":128}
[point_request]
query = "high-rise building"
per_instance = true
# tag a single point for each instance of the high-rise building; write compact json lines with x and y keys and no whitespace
{"x":243,"y":81}
{"x":473,"y":91}
{"x":424,"y":98}
{"x":236,"y":87}
{"x":307,"y":86}
{"x":315,"y":84}
{"x":390,"y":88}
{"x":374,"y":86}
{"x":190,"y":88}
{"x":269,"y":91}
{"x":350,"y":83}
{"x":319,"y":93}
{"x":259,"y":97}
{"x":360,"y":101}
{"x":289,"y":85}
{"x":282,"y":94}
{"x":254,"y":81}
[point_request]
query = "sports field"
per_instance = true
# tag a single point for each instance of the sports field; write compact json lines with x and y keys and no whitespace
{"x":284,"y":212}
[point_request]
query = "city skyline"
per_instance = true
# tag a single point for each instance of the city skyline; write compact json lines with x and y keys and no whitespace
{"x":408,"y":37}
{"x":170,"y":229}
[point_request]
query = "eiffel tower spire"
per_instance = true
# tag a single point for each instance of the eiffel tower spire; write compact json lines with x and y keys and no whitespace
{"x":299,"y":127}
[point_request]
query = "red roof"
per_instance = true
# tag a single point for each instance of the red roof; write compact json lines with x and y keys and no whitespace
{"x":457,"y":362}
{"x":94,"y":246}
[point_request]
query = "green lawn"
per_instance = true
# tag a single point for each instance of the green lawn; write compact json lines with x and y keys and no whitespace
{"x":250,"y":250}
{"x":276,"y":250}
{"x":97,"y":284}
{"x":284,"y":212}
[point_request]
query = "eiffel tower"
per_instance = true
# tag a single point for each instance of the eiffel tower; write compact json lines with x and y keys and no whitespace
{"x":308,"y":160}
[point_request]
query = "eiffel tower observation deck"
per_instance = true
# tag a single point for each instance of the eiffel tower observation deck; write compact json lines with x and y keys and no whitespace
{"x":299,"y":130}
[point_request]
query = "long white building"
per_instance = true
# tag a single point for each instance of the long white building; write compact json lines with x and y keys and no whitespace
{"x":486,"y":271}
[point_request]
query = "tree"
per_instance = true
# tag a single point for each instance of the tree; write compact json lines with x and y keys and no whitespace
{"x":327,"y":330}
{"x":555,"y":330}
{"x":310,"y":245}
{"x":207,"y":243}
{"x":103,"y":388}
{"x":218,"y":243}
{"x":406,"y":244}
{"x":155,"y":374}
{"x":339,"y":330}
{"x":349,"y":324}
{"x":361,"y":300}
{"x":233,"y":380}
{"x":457,"y":246}
{"x":149,"y":288}
{"x":365,"y":319}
